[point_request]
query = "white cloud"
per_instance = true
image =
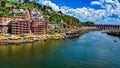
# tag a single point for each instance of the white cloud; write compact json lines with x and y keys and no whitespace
{"x":110,"y":20}
{"x":49,"y":3}
{"x":95,"y":3}
{"x":108,"y":8}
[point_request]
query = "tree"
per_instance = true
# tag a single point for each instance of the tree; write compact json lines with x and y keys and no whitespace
{"x":25,"y":1}
{"x":60,"y":12}
{"x":3,"y":3}
{"x":88,"y":23}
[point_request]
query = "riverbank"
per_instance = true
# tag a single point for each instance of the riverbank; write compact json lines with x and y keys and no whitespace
{"x":4,"y":39}
{"x":113,"y":32}
{"x":17,"y":39}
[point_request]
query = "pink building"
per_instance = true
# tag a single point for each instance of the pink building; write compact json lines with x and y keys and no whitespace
{"x":23,"y":24}
{"x":39,"y":27}
{"x":4,"y":19}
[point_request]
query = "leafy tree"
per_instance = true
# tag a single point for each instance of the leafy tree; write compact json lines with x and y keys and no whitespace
{"x":88,"y":23}
{"x":3,"y":3}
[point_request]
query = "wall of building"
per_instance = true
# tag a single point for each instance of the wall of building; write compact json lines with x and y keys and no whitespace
{"x":38,"y":27}
{"x":4,"y":19}
{"x":20,"y":27}
{"x":27,"y":27}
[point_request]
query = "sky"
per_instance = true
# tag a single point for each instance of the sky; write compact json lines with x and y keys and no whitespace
{"x":98,"y":11}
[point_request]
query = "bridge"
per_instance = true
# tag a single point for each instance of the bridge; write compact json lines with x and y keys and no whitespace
{"x":107,"y":26}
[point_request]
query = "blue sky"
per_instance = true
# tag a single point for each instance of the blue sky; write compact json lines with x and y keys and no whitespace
{"x":98,"y":11}
{"x":74,"y":3}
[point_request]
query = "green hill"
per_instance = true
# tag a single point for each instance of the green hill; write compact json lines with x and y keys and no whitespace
{"x":50,"y":16}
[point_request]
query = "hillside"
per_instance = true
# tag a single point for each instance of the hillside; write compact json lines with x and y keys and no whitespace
{"x":49,"y":15}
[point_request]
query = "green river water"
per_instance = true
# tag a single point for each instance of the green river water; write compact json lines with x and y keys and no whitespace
{"x":91,"y":50}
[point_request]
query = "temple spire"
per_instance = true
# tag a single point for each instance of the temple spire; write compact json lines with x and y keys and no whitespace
{"x":27,"y":14}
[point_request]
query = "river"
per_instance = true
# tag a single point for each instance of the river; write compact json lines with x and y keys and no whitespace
{"x":91,"y":50}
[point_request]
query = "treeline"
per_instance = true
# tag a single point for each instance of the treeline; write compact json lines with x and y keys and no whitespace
{"x":88,"y":23}
{"x":6,"y":6}
{"x":58,"y":18}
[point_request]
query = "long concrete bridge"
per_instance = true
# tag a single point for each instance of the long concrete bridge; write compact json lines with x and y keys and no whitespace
{"x":107,"y":26}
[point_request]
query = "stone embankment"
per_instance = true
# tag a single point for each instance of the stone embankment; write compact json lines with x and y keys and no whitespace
{"x":79,"y":32}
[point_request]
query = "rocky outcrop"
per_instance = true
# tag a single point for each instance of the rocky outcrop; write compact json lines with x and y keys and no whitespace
{"x":114,"y":33}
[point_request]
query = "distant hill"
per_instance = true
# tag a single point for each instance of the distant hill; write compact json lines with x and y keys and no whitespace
{"x":49,"y":15}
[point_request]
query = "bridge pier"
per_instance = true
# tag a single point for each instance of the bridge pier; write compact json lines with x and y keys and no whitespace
{"x":107,"y":26}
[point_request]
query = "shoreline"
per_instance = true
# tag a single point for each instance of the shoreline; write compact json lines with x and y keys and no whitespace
{"x":44,"y":37}
{"x":113,"y":33}
{"x":37,"y":38}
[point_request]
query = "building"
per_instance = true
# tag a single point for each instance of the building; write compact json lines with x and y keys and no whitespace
{"x":36,"y":14}
{"x":28,"y":24}
{"x":20,"y":27}
{"x":39,"y":27}
{"x":23,"y":24}
{"x":28,"y":27}
{"x":4,"y":23}
{"x":4,"y":19}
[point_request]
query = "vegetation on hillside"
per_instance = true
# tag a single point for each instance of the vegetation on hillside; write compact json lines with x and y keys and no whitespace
{"x":88,"y":23}
{"x":57,"y":18}
{"x":50,"y":16}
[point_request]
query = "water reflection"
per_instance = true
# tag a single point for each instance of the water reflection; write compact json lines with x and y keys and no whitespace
{"x":91,"y":50}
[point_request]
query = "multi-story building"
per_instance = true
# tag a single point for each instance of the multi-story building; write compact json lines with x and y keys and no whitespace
{"x":27,"y":27}
{"x":20,"y":27}
{"x":23,"y":25}
{"x":38,"y":27}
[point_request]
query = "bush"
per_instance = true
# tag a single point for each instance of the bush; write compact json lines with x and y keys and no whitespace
{"x":53,"y":31}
